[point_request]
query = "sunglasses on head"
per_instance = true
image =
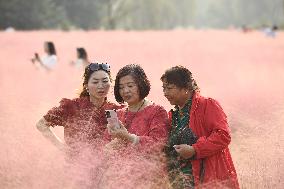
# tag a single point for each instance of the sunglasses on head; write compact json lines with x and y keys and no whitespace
{"x":97,"y":66}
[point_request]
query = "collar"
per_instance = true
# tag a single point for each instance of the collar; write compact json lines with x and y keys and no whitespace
{"x":195,"y":101}
{"x":185,"y":107}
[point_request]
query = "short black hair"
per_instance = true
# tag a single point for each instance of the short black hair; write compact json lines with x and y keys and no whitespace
{"x":181,"y":77}
{"x":140,"y":78}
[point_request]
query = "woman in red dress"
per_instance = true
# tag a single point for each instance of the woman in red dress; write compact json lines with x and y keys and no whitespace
{"x":142,"y":134}
{"x":83,"y":118}
{"x":142,"y":121}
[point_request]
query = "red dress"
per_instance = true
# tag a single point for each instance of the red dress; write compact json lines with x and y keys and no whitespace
{"x":83,"y":123}
{"x":140,"y":165}
{"x":209,"y":122}
{"x":151,"y":124}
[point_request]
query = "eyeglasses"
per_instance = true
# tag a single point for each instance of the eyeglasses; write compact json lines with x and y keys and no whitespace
{"x":97,"y":66}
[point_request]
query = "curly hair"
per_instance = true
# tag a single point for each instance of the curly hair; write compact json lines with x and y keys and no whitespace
{"x":140,"y":78}
{"x":181,"y":77}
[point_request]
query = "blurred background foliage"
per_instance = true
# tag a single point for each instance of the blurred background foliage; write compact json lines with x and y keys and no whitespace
{"x":139,"y":14}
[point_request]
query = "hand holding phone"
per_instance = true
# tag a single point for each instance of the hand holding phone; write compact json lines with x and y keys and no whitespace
{"x":112,"y":119}
{"x":36,"y":56}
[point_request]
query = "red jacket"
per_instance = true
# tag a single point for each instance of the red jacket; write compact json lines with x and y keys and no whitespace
{"x":209,"y":122}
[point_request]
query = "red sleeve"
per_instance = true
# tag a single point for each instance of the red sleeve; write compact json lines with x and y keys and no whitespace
{"x":216,"y":123}
{"x":58,"y":115}
{"x":158,"y":129}
{"x":107,"y":136}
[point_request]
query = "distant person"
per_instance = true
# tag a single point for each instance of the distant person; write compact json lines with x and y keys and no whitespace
{"x":197,"y":148}
{"x":271,"y":31}
{"x":48,"y":61}
{"x":246,"y":29}
{"x":10,"y":29}
{"x":82,"y":58}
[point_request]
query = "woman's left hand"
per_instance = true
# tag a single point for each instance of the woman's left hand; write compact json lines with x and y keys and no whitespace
{"x":115,"y":144}
{"x":185,"y":151}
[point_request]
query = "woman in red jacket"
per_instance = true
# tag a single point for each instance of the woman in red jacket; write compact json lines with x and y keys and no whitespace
{"x":197,"y":147}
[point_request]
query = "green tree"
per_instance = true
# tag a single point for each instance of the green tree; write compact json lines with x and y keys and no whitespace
{"x":115,"y":11}
{"x":31,"y":14}
{"x":84,"y":14}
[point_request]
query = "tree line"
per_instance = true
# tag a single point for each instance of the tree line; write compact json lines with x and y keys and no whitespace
{"x":138,"y":14}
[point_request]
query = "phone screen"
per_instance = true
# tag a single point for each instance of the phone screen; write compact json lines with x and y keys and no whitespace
{"x":112,"y":118}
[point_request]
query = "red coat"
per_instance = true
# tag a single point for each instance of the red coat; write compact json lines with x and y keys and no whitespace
{"x":209,"y":122}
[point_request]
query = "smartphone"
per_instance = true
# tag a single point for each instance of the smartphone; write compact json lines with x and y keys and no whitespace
{"x":112,"y":118}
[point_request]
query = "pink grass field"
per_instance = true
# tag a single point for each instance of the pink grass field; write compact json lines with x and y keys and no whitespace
{"x":244,"y":72}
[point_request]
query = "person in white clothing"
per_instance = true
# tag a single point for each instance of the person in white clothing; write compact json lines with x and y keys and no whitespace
{"x":49,"y":61}
{"x":82,"y":59}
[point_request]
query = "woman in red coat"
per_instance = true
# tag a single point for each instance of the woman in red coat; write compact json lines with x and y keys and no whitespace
{"x":197,"y":150}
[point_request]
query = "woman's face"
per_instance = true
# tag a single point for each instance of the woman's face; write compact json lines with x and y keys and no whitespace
{"x":128,"y":90}
{"x":174,"y":94}
{"x":99,"y":84}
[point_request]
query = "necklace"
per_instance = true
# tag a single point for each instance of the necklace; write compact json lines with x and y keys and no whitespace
{"x":128,"y":123}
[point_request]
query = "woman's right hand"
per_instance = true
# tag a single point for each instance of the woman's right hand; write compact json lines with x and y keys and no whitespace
{"x":36,"y":56}
{"x":43,"y":126}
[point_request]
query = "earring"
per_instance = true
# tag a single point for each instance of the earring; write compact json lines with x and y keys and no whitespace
{"x":186,"y":92}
